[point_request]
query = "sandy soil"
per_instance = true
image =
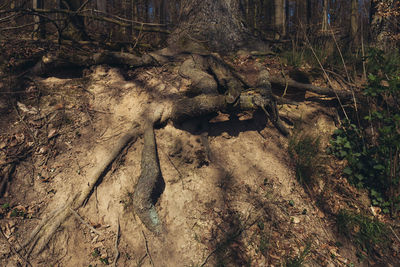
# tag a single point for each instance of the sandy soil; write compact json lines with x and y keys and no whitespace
{"x":231,"y":197}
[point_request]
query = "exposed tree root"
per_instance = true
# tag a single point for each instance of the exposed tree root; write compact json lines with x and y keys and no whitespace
{"x":276,"y":80}
{"x":226,"y":93}
{"x":41,"y":235}
{"x":150,"y":183}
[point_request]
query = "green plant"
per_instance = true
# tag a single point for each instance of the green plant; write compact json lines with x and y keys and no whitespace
{"x":298,"y":261}
{"x":365,"y":232}
{"x":304,"y":150}
{"x":371,"y":148}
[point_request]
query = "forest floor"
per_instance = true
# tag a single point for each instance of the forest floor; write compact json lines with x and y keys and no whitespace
{"x":231,"y":197}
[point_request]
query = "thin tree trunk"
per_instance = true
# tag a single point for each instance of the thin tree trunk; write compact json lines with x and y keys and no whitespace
{"x":354,"y":29}
{"x":324,"y":27}
{"x":280,"y":19}
{"x":101,"y":6}
{"x":39,"y":28}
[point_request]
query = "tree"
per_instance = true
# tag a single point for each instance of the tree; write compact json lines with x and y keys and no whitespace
{"x":354,"y":22}
{"x":325,"y":16}
{"x":217,"y":24}
{"x":280,"y":18}
{"x":76,"y":24}
{"x":39,"y":26}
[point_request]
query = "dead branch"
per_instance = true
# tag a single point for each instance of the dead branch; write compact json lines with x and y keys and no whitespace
{"x":148,"y":27}
{"x":277,"y":80}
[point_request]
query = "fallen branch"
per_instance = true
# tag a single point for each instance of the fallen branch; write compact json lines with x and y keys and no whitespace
{"x":276,"y":80}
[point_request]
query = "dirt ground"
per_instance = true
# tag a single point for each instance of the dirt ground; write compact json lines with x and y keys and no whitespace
{"x":230,"y":199}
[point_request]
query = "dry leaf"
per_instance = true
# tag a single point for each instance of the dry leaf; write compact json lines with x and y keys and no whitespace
{"x":25,"y":109}
{"x":52,"y":133}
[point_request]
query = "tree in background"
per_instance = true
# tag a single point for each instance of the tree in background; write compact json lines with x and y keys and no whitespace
{"x":39,"y":27}
{"x":280,"y":19}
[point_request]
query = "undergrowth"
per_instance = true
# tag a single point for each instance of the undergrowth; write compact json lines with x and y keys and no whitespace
{"x":304,"y":150}
{"x":367,"y":234}
{"x":370,"y":143}
{"x":299,"y":260}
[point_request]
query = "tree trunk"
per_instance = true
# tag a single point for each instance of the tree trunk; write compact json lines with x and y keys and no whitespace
{"x":101,"y":6}
{"x":216,"y":25}
{"x":280,"y":19}
{"x":77,"y":31}
{"x":354,"y":22}
{"x":39,"y":28}
{"x":325,"y":16}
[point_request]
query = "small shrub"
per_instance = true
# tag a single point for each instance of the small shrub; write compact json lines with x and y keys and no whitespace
{"x":304,"y":150}
{"x":365,"y":232}
{"x":298,"y":261}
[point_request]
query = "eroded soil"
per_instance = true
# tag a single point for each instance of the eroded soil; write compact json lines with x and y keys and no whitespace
{"x":230,"y":197}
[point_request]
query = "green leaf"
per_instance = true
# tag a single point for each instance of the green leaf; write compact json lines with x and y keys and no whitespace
{"x":379,"y":167}
{"x":338,"y":131}
{"x":385,"y":210}
{"x":360,"y":177}
{"x":374,"y":193}
{"x":347,"y":145}
{"x":371,"y":77}
{"x":347,"y":171}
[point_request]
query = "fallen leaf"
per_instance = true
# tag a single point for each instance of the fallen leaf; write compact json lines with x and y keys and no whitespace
{"x":52,"y":133}
{"x":25,"y":109}
{"x":20,"y":137}
{"x":42,"y":150}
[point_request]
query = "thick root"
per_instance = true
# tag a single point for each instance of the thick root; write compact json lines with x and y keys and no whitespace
{"x":194,"y":69}
{"x":150,"y":184}
{"x":42,"y":234}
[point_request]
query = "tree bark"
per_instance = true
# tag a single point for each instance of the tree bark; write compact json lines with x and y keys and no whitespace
{"x":77,"y":30}
{"x":39,"y":27}
{"x":217,"y":25}
{"x":324,"y":27}
{"x":354,"y":29}
{"x":280,"y":19}
{"x":101,"y":6}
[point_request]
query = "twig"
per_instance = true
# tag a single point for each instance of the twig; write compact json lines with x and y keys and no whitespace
{"x":208,"y":257}
{"x":116,"y":245}
{"x":284,"y":76}
{"x":85,"y":223}
{"x":326,"y":74}
{"x":397,"y":237}
{"x":147,"y":249}
{"x":176,"y":168}
{"x":13,"y":249}
{"x":347,"y":74}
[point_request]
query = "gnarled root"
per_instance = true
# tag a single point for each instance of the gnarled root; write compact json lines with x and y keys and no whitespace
{"x":42,"y":234}
{"x":150,"y":184}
